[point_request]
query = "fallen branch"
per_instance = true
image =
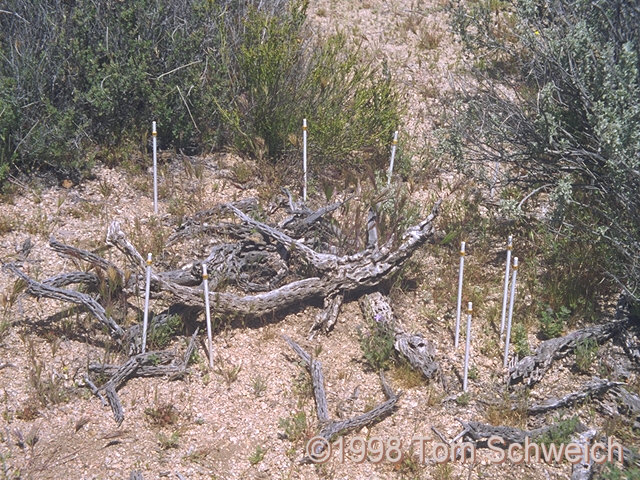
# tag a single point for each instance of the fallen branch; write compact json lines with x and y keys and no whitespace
{"x":420,"y":353}
{"x":39,"y":290}
{"x":630,"y":340}
{"x":329,"y":315}
{"x":595,"y":388}
{"x":480,"y":433}
{"x":84,"y":255}
{"x":197,"y":223}
{"x":627,"y":406}
{"x":149,"y":364}
{"x":347,"y":275}
{"x":332,"y":428}
{"x":532,"y":368}
{"x":583,"y":470}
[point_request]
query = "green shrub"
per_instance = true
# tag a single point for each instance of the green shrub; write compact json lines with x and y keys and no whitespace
{"x":278,"y":78}
{"x":295,"y":426}
{"x":558,"y":97}
{"x":161,"y":333}
{"x":560,"y":432}
{"x":520,"y":341}
{"x":552,"y":323}
{"x":79,"y":77}
{"x":257,"y":456}
{"x":586,"y":352}
{"x":611,"y":472}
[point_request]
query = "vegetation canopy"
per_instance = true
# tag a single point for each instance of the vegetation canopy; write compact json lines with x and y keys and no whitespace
{"x":84,"y":79}
{"x":557,"y":103}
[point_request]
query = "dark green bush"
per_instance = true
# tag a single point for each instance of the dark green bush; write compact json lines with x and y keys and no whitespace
{"x":557,"y":103}
{"x":552,"y":323}
{"x":278,"y":77}
{"x":79,"y":77}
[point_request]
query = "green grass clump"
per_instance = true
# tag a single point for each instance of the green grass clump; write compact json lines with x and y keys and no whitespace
{"x":294,"y":427}
{"x":560,"y":433}
{"x":586,"y":353}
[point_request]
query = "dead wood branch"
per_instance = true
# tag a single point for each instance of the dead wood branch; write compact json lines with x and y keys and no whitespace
{"x":331,"y":428}
{"x":627,"y":406}
{"x":317,"y":378}
{"x":38,"y":290}
{"x":245,"y":205}
{"x":64,"y":279}
{"x":420,"y":353}
{"x":198,"y":222}
{"x":532,"y":368}
{"x":347,"y":275}
{"x":329,"y":315}
{"x":595,"y":388}
{"x":583,"y":470}
{"x":630,"y":340}
{"x":480,"y":433}
{"x":89,"y":257}
{"x":149,"y":364}
{"x":303,"y":219}
{"x":117,"y":238}
{"x":320,"y":261}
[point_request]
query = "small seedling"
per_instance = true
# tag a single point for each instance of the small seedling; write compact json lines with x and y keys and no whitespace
{"x":162,"y":415}
{"x":259,"y":386}
{"x":294,"y":427}
{"x":167,"y":442}
{"x":257,"y":456}
{"x":377,"y":345}
{"x":463,"y":399}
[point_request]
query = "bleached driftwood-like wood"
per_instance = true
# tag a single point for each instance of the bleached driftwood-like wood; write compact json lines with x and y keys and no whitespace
{"x":148,"y":364}
{"x":345,"y":274}
{"x":84,"y":255}
{"x":317,"y":378}
{"x":331,"y":276}
{"x":481,"y":432}
{"x":630,"y":340}
{"x":329,"y":315}
{"x":583,"y":470}
{"x":72,"y":278}
{"x":419,"y":352}
{"x":303,"y":219}
{"x":532,"y":368}
{"x":198,"y":223}
{"x":260,"y":260}
{"x":331,"y":428}
{"x":595,"y":388}
{"x":39,"y":289}
{"x":627,"y":406}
